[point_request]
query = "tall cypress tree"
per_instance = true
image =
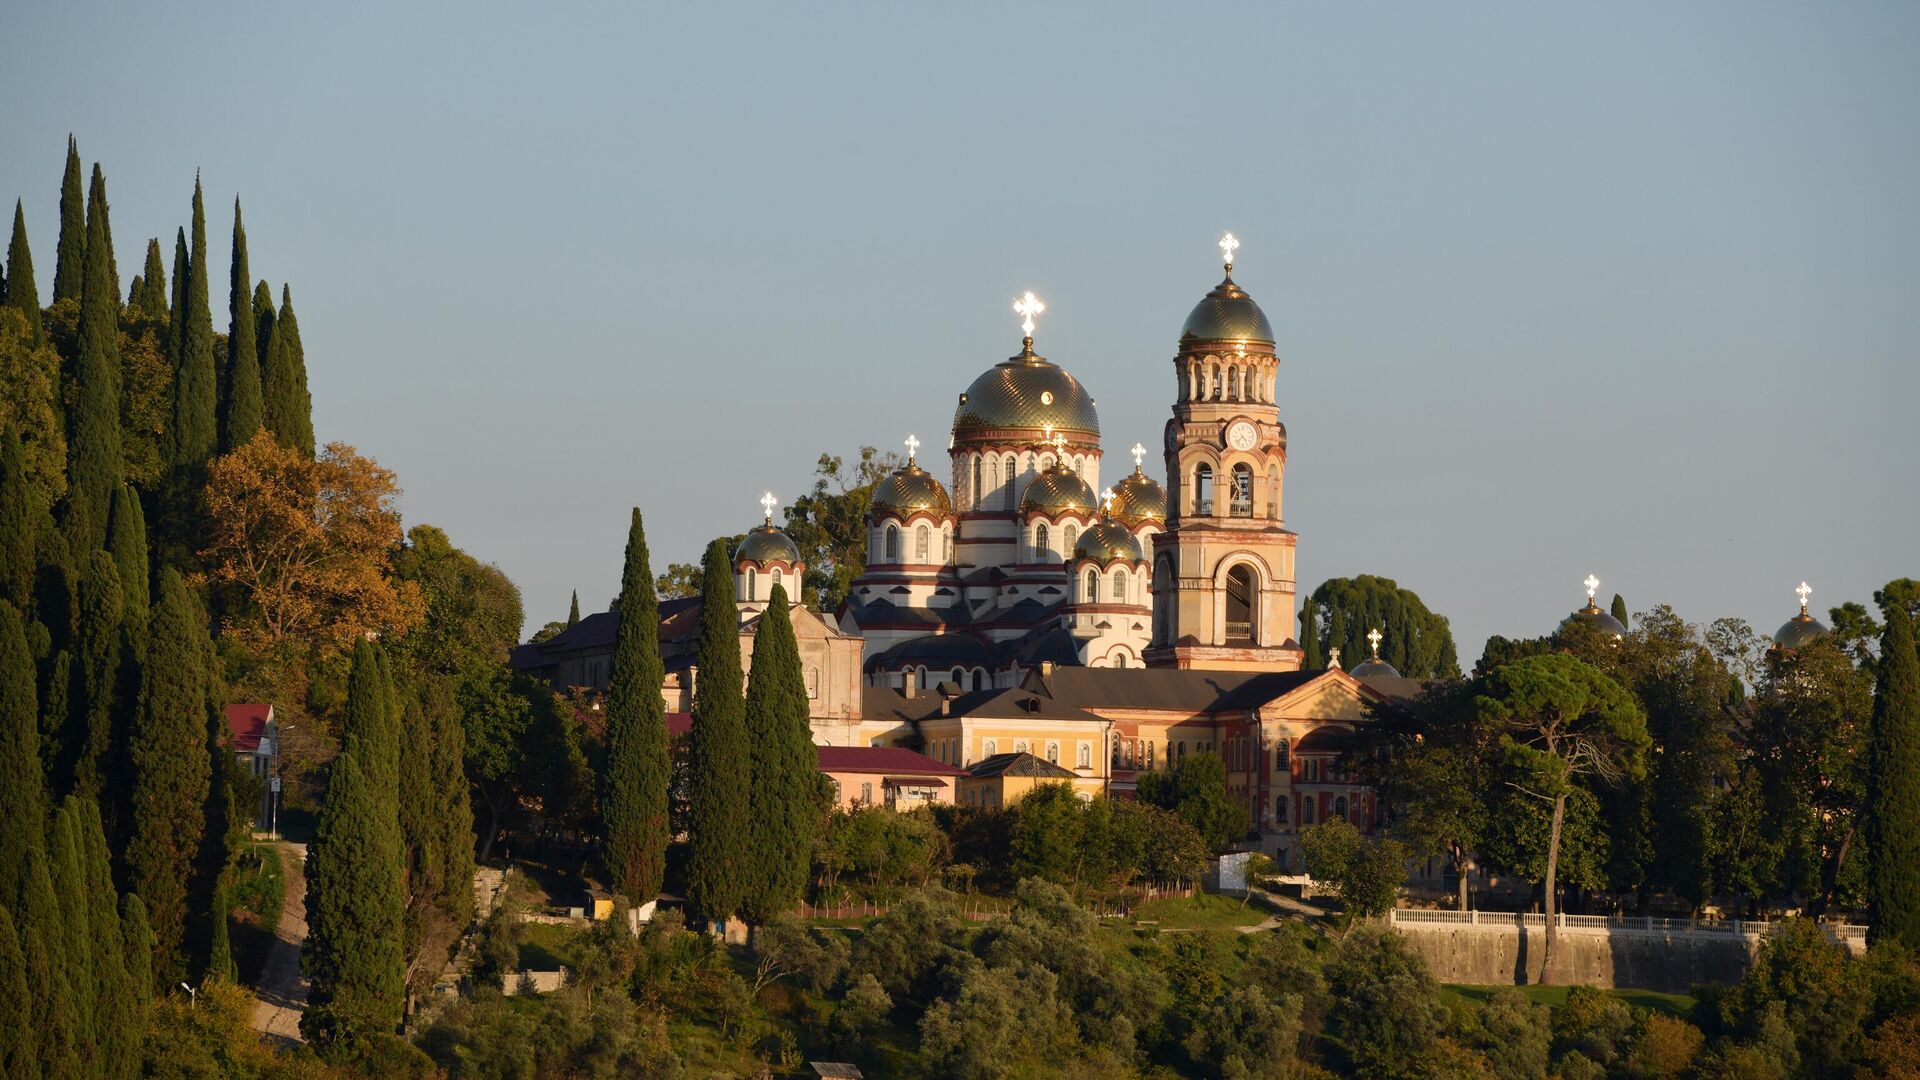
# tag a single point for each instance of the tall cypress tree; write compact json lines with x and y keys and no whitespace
{"x":16,"y":526}
{"x":353,"y":958}
{"x":289,"y":407}
{"x":455,"y":808}
{"x":263,"y":319}
{"x":23,"y":795}
{"x":56,"y":1030}
{"x":22,"y":295}
{"x":195,"y":434}
{"x":177,"y":306}
{"x":1620,"y":608}
{"x":420,"y":830}
{"x":721,"y":760}
{"x":573,"y":611}
{"x":1893,"y":784}
{"x":119,"y":1015}
{"x":151,"y":294}
{"x":98,"y":651}
{"x":127,"y":542}
{"x":633,"y":799}
{"x":242,"y":412}
{"x":19,"y":1049}
{"x":69,"y":269}
{"x":74,"y":947}
{"x":171,"y":773}
{"x":1315,"y":659}
{"x":93,"y":437}
{"x":138,"y":935}
{"x":97,"y":206}
{"x":787,"y":796}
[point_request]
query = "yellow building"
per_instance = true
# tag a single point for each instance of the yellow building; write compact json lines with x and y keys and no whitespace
{"x":1005,"y":779}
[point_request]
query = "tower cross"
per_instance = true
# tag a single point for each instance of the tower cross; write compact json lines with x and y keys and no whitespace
{"x":1373,"y":639}
{"x":1106,"y":501}
{"x":1805,"y":590}
{"x":1228,"y":245}
{"x":913,"y":443}
{"x":1027,"y":307}
{"x":1593,"y":586}
{"x":1139,"y":456}
{"x":767,"y":503}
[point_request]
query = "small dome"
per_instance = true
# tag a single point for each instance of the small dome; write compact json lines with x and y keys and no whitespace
{"x":1227,"y":314}
{"x":1106,"y":542}
{"x":1137,"y":500}
{"x":1026,"y":392}
{"x":766,"y":544}
{"x":1800,"y":631}
{"x":910,"y":489}
{"x":1058,"y":490}
{"x":1374,"y":668}
{"x":1599,"y":620}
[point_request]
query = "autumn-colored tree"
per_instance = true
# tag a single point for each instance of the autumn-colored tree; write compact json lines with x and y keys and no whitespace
{"x":30,"y":405}
{"x":308,"y":545}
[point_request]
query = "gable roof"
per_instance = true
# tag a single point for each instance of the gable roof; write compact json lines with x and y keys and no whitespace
{"x":1021,"y":764}
{"x":892,"y":760}
{"x":248,"y":721}
{"x":1166,"y":689}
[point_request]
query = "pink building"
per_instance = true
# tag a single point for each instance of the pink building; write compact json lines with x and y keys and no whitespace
{"x":890,"y":776}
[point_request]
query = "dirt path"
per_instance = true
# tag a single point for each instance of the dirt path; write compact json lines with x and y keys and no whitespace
{"x":281,"y":994}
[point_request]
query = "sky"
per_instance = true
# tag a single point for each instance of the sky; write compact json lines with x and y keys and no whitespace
{"x":1631,"y":291}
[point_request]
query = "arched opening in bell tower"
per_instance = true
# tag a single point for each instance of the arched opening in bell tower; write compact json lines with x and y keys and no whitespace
{"x":1243,"y":604}
{"x":1240,"y":499}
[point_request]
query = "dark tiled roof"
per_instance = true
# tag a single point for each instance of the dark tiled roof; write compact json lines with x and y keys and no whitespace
{"x":886,"y":613}
{"x":678,"y":619}
{"x":883,"y":702}
{"x":1022,"y":764}
{"x":1166,"y":689}
{"x":935,"y":649}
{"x":892,"y":760}
{"x":1048,"y":643}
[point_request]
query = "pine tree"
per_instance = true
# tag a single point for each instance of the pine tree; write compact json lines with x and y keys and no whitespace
{"x":19,"y":1049}
{"x":151,"y":294}
{"x":16,"y":526}
{"x":171,"y":773}
{"x":353,"y":958}
{"x":787,"y":798}
{"x":243,"y":411}
{"x":97,"y":207}
{"x":97,"y":657}
{"x":721,"y":760}
{"x":289,"y":407}
{"x":1620,"y":608}
{"x":633,"y":801}
{"x":22,"y":295}
{"x":1893,"y":784}
{"x":573,"y":611}
{"x":137,"y":933}
{"x":93,"y":438}
{"x":69,"y":269}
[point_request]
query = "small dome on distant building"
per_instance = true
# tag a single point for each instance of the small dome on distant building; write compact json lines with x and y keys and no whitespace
{"x":1058,"y":490}
{"x":1106,"y":542}
{"x":1373,"y":667}
{"x":1803,"y":629}
{"x":1138,"y":499}
{"x":1593,"y":616}
{"x":909,"y":490}
{"x":765,"y":543}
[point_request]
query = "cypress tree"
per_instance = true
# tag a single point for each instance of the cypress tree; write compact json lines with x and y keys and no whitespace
{"x":171,"y":773}
{"x":97,"y":206}
{"x":455,"y":813}
{"x":787,"y":799}
{"x":1619,"y":609}
{"x":573,"y":611}
{"x":194,"y":435}
{"x":420,"y":832}
{"x":353,"y":957}
{"x":22,"y":295}
{"x":98,"y":652}
{"x":1315,"y":659}
{"x":73,"y":948}
{"x":242,"y":412}
{"x":93,"y":438}
{"x":23,"y":796}
{"x":633,"y":800}
{"x":127,"y":542}
{"x":137,"y":933}
{"x":263,"y":317}
{"x":69,"y":268}
{"x":177,"y":304}
{"x":16,"y":526}
{"x":19,"y":1050}
{"x":721,"y":760}
{"x":55,"y":607}
{"x":56,"y":1030}
{"x":1893,"y":784}
{"x":150,"y":288}
{"x":119,"y":1019}
{"x":289,"y":407}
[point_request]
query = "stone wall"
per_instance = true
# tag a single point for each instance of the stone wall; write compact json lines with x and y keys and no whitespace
{"x":1667,"y":962}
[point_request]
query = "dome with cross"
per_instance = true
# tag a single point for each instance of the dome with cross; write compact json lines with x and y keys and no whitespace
{"x":1227,"y":314}
{"x":1138,"y":499}
{"x":1373,"y":668}
{"x":765,"y":544}
{"x":1058,"y":490}
{"x":1027,"y":393}
{"x":911,"y":489}
{"x":1593,"y":616}
{"x":1803,"y":629}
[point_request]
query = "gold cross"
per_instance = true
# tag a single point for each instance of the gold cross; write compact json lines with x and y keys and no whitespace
{"x":1106,"y":500}
{"x":1228,"y":245}
{"x":1373,"y":639}
{"x":1593,"y":585}
{"x":1139,"y":456}
{"x":1805,"y":590}
{"x":913,"y":443}
{"x":767,"y":503}
{"x":1027,"y":307}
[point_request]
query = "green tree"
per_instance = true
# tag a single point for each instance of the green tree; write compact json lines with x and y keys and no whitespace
{"x":354,"y":957}
{"x":1365,"y":873}
{"x":1384,"y":1017}
{"x":1561,"y":721}
{"x":720,"y":758}
{"x":16,"y":526}
{"x":149,"y":294}
{"x":171,"y":773}
{"x":1417,"y":642}
{"x":242,"y":412}
{"x":93,"y":442}
{"x":1315,"y":657}
{"x":97,"y":207}
{"x":829,"y":523}
{"x":71,"y":946}
{"x":1430,"y":775}
{"x":31,"y":405}
{"x":120,"y":1007}
{"x":21,"y":293}
{"x":289,"y":407}
{"x":99,"y":649}
{"x":137,"y":933}
{"x":19,"y":1048}
{"x":633,"y":800}
{"x":1619,"y":610}
{"x":573,"y":610}
{"x":177,"y":309}
{"x":23,"y":798}
{"x":1047,"y":834}
{"x":56,"y":1026}
{"x":788,"y":794}
{"x":1893,"y":784}
{"x":453,"y":807}
{"x":1197,"y":790}
{"x":127,"y":543}
{"x":473,"y":611}
{"x":69,"y":268}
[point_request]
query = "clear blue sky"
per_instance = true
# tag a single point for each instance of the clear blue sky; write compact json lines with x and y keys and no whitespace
{"x":1634,"y":290}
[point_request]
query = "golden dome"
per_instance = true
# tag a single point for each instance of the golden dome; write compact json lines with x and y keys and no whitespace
{"x":1027,"y":392}
{"x":1058,"y":490}
{"x":1137,"y":500}
{"x":1800,"y":631}
{"x":1227,"y":314}
{"x":910,"y":489}
{"x":766,"y":544}
{"x":1106,"y":542}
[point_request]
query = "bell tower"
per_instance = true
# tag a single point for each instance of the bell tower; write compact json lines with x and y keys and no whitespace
{"x":1223,"y":588}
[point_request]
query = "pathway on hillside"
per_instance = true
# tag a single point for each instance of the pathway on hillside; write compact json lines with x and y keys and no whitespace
{"x":281,"y":994}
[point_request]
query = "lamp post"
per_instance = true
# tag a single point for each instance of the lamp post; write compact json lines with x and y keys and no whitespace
{"x":193,"y":998}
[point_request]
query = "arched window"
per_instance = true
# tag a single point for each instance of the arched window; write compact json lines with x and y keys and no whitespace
{"x":1053,"y":752}
{"x":1012,"y":474}
{"x":1280,"y":756}
{"x":1116,"y":753}
{"x":1093,"y":587}
{"x":974,"y":492}
{"x":1120,"y":584}
{"x":1203,"y":490}
{"x":993,"y":481}
{"x":946,"y":545}
{"x":989,"y":748}
{"x":922,"y":543}
{"x":979,"y":678}
{"x":1020,"y":746}
{"x":813,"y":682}
{"x":1243,"y":606}
{"x":1149,"y":753}
{"x":752,"y":586}
{"x":893,"y":543}
{"x":1273,"y":492}
{"x":1340,"y":807}
{"x":1182,"y":754}
{"x":775,"y":583}
{"x":1306,"y":810}
{"x":1040,"y":548}
{"x":1240,"y":503}
{"x":1046,"y":462}
{"x":1073,"y":533}
{"x":1085,"y":760}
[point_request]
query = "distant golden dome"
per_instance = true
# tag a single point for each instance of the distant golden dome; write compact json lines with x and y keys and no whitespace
{"x":1800,"y":631}
{"x":1027,"y":393}
{"x":766,"y":544}
{"x":1058,"y":490}
{"x":1107,"y":541}
{"x":910,"y":489}
{"x":1227,"y":314}
{"x":1138,"y":500}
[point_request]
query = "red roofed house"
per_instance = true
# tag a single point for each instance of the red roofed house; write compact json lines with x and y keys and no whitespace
{"x":890,"y":776}
{"x":255,"y":742}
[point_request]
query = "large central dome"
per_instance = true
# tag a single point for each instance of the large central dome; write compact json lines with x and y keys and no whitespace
{"x":1026,"y":393}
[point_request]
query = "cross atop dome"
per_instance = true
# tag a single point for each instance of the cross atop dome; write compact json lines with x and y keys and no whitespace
{"x":1805,"y":590}
{"x":1139,"y":456}
{"x":1228,"y":245}
{"x":767,"y":503}
{"x":1593,"y":586}
{"x":1106,"y":501}
{"x":1027,"y":307}
{"x":913,"y":444}
{"x":1374,"y":637}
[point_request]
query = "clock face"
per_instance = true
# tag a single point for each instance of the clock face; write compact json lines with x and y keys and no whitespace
{"x":1242,"y":436}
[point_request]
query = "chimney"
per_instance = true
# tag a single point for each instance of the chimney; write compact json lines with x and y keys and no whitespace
{"x":946,"y":706}
{"x":1046,"y":669}
{"x":910,"y":682}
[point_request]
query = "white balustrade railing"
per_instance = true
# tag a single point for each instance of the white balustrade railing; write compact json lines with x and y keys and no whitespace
{"x":1607,"y":924}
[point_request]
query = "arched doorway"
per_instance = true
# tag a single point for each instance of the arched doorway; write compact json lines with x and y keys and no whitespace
{"x":1243,"y":605}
